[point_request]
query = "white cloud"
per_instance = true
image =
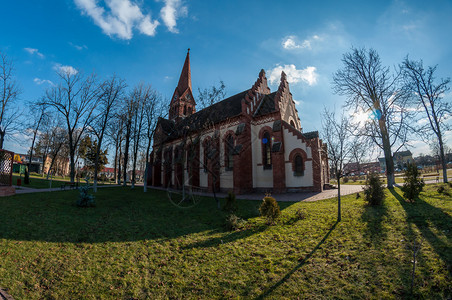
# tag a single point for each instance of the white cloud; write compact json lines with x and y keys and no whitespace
{"x":78,"y":47}
{"x":123,"y":16}
{"x":65,"y":69}
{"x":291,"y":42}
{"x":307,"y":75}
{"x":172,"y":10}
{"x":34,"y":51}
{"x":39,"y":81}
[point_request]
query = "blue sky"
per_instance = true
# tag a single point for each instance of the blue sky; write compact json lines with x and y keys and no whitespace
{"x":146,"y":40}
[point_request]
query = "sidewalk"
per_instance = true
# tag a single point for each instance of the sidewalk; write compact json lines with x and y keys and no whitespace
{"x":289,"y":197}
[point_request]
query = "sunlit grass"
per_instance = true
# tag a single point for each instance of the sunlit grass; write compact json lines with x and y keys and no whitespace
{"x":136,"y":245}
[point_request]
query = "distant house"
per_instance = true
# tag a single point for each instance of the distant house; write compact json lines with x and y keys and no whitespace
{"x":401,"y":160}
{"x":107,"y":172}
{"x":363,"y":168}
{"x":35,"y":166}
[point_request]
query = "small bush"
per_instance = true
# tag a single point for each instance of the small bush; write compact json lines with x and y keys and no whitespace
{"x":450,"y":184}
{"x":231,"y":204}
{"x":441,"y":189}
{"x":345,"y":179}
{"x":269,"y":209}
{"x":354,"y":178}
{"x":300,"y":214}
{"x":234,"y":223}
{"x":374,"y":191}
{"x":413,"y":183}
{"x":85,"y":199}
{"x":292,"y":218}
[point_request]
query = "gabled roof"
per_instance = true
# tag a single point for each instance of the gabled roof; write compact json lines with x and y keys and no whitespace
{"x":267,"y":105}
{"x":403,"y":153}
{"x":311,"y":135}
{"x":218,"y":112}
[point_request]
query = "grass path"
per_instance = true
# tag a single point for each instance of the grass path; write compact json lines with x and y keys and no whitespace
{"x":136,"y":245}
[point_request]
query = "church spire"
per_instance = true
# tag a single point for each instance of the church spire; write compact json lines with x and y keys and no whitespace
{"x":185,"y":76}
{"x":182,"y":103}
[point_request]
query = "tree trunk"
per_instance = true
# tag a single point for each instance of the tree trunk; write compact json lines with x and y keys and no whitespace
{"x":96,"y":163}
{"x":72,"y":164}
{"x":115,"y":165}
{"x":443,"y":159}
{"x":119,"y":163}
{"x":338,"y":198}
{"x":2,"y":138}
{"x":126,"y":158}
{"x":51,"y":166}
{"x":387,"y":152}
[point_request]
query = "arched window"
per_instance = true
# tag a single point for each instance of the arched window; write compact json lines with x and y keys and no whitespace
{"x":266,"y":151}
{"x":228,"y":153}
{"x":298,"y":165}
{"x":292,"y":123}
{"x":206,"y":155}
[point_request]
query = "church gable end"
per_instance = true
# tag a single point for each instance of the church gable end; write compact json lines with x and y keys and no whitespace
{"x":285,"y":104}
{"x":255,"y":95}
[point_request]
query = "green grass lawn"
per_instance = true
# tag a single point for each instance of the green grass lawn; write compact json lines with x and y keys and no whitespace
{"x":39,"y":182}
{"x":134,"y":245}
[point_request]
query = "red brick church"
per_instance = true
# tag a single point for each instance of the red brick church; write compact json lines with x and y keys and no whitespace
{"x":251,"y":141}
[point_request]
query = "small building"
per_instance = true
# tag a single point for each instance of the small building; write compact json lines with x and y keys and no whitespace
{"x":401,"y":160}
{"x":362,"y":168}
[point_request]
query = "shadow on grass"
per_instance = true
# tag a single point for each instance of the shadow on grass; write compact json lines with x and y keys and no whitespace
{"x":423,"y":215}
{"x":121,"y":214}
{"x":228,"y":238}
{"x":374,"y":217}
{"x":299,"y":265}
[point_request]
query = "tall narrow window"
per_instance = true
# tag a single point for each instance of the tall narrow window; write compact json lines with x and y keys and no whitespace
{"x":266,"y":151}
{"x":206,"y":155}
{"x":228,"y":153}
{"x":298,"y":165}
{"x":185,"y":109}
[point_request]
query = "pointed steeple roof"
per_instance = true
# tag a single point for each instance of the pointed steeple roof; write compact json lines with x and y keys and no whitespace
{"x":185,"y":76}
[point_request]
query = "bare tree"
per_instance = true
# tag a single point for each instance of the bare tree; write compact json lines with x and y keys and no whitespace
{"x":41,"y":113}
{"x":371,"y":87}
{"x":51,"y":143}
{"x":115,"y":132}
{"x":9,"y":92}
{"x":359,"y":151}
{"x":428,"y":96}
{"x":141,"y":95}
{"x":153,"y":110}
{"x":212,"y":95}
{"x":74,"y":98}
{"x":129,"y":114}
{"x":111,"y":91}
{"x":337,"y":135}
